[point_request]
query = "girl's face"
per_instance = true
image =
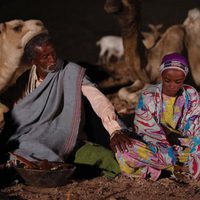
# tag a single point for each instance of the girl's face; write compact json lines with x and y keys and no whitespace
{"x":172,"y":81}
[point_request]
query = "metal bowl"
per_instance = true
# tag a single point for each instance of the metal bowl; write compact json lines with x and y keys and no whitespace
{"x":57,"y":176}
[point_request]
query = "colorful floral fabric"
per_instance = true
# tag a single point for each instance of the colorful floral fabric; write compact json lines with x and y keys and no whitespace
{"x":161,"y":149}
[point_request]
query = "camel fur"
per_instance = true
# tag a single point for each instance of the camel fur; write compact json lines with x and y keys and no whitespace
{"x":192,"y":43}
{"x":14,"y":35}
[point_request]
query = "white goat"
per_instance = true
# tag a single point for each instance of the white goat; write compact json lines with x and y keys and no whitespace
{"x":192,"y":42}
{"x":113,"y":45}
{"x":110,"y":46}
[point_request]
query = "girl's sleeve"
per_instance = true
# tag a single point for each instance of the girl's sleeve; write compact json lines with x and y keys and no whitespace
{"x":146,"y":121}
{"x":194,"y":156}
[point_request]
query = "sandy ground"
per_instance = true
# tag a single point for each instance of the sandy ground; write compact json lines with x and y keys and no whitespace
{"x":76,"y":26}
{"x":103,"y":188}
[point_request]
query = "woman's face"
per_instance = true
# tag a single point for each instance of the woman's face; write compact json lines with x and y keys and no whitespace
{"x":172,"y":81}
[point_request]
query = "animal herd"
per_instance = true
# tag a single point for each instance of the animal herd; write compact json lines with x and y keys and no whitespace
{"x":181,"y":38}
{"x":112,"y":46}
{"x":16,"y":33}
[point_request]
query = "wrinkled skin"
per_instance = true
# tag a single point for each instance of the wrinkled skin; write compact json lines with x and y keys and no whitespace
{"x":45,"y":59}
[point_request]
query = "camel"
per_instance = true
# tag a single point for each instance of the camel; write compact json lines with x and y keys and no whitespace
{"x":14,"y":35}
{"x":143,"y":63}
{"x":128,"y":14}
{"x":192,"y":43}
{"x":171,"y":41}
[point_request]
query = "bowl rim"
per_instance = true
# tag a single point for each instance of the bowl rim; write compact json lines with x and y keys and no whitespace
{"x":71,"y":168}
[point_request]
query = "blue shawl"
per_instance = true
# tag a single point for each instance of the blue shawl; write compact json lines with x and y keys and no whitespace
{"x":48,"y":119}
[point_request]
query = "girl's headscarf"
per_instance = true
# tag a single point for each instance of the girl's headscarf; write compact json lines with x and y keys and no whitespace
{"x":174,"y":61}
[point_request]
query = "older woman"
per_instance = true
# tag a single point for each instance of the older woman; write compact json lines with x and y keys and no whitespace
{"x":167,"y":126}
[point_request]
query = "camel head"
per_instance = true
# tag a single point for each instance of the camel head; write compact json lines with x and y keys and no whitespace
{"x":112,"y":6}
{"x":14,"y":35}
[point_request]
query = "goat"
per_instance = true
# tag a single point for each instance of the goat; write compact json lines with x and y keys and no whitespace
{"x":113,"y":45}
{"x":110,"y":46}
{"x":150,"y":38}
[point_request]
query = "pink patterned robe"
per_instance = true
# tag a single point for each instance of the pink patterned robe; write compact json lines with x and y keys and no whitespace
{"x":153,"y":151}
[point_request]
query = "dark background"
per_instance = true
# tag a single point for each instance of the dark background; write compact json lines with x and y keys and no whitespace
{"x":76,"y":25}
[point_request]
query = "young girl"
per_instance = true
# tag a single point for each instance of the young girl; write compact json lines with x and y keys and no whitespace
{"x":167,"y":126}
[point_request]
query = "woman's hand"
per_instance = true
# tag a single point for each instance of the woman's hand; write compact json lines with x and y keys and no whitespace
{"x":120,"y":141}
